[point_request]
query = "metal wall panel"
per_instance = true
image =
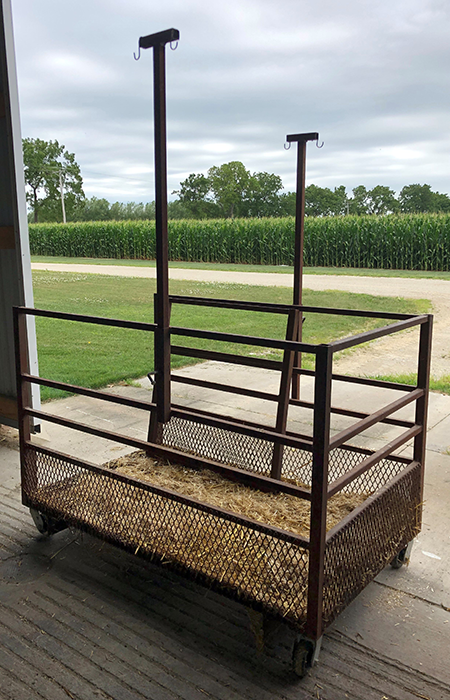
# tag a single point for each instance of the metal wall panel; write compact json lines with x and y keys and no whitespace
{"x":15,"y":266}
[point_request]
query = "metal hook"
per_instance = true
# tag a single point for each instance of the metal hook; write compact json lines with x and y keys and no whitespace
{"x":136,"y":58}
{"x":173,"y":48}
{"x":289,"y":145}
{"x":317,"y":144}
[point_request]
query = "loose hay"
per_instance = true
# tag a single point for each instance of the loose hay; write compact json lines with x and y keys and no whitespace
{"x":258,"y":566}
{"x":281,"y":510}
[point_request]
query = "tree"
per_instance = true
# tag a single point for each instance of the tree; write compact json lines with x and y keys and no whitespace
{"x":229,"y":184}
{"x":359,"y":203}
{"x":194,"y":195}
{"x":441,"y":202}
{"x":321,"y":201}
{"x":229,"y":190}
{"x":95,"y":209}
{"x":287,"y":202}
{"x":421,"y":198}
{"x":382,"y":200}
{"x":262,"y":195}
{"x":47,"y":165}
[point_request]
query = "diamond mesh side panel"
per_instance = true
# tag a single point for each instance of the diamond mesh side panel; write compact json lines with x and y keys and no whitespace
{"x":248,"y":562}
{"x":255,"y":455}
{"x":370,"y":540}
{"x":342,"y":461}
{"x":225,"y":446}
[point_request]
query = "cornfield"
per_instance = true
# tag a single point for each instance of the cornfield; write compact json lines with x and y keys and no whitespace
{"x":401,"y":242}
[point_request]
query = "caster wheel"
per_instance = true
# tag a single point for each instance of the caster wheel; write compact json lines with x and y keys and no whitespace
{"x":302,"y":657}
{"x":402,"y":557}
{"x":46,"y":525}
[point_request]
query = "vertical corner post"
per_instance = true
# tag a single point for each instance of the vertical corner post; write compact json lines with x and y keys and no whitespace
{"x":423,"y":382}
{"x":162,"y":306}
{"x":162,"y":316}
{"x":301,"y":140}
{"x":319,"y":491}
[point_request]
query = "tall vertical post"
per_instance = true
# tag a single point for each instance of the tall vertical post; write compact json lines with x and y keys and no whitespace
{"x":319,"y":491}
{"x":301,"y":140}
{"x":162,"y":306}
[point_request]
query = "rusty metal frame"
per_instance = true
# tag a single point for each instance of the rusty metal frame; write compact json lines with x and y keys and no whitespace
{"x":320,"y":445}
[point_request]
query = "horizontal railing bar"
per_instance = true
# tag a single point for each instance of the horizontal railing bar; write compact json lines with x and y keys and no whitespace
{"x":177,"y":456}
{"x":366,"y":451}
{"x":374,"y":418}
{"x":344,"y":343}
{"x":174,"y":495}
{"x":240,"y":421}
{"x":353,"y":414}
{"x":92,"y":393}
{"x":292,"y":345}
{"x":360,"y":380}
{"x":389,"y":315}
{"x":369,"y":500}
{"x":263,"y":307}
{"x":260,"y":432}
{"x":192,"y":381}
{"x":282,"y":308}
{"x":366,"y":464}
{"x":306,"y":438}
{"x":225,"y":387}
{"x":136,"y":403}
{"x":83,"y":318}
{"x":244,"y":360}
{"x":84,"y":428}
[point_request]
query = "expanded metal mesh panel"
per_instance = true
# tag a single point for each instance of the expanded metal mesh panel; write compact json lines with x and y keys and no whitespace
{"x":370,"y":540}
{"x":255,"y":455}
{"x":249,"y":562}
{"x":342,"y":461}
{"x":227,"y":447}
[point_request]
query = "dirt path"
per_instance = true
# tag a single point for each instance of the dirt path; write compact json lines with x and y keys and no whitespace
{"x":392,"y":355}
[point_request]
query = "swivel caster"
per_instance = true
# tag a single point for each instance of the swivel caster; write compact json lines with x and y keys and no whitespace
{"x":305,"y":655}
{"x":402,"y":557}
{"x":45,"y":524}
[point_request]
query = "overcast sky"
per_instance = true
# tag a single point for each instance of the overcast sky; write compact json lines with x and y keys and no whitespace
{"x":372,"y":77}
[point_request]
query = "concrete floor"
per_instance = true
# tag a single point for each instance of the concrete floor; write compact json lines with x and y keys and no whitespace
{"x":81,"y":619}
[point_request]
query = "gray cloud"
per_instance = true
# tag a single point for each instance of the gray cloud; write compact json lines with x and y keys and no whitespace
{"x":372,"y":78}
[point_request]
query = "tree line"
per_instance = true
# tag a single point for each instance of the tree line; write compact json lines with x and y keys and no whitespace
{"x":54,"y":187}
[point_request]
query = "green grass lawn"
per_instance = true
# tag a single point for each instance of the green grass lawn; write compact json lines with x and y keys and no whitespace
{"x":361,"y":272}
{"x":95,"y":356}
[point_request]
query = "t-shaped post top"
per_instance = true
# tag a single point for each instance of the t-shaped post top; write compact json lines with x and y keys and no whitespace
{"x":312,"y":136}
{"x":159,"y":39}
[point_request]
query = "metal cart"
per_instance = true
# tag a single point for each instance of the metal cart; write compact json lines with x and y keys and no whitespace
{"x":305,"y":582}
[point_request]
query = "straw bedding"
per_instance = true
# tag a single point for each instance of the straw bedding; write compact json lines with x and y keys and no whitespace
{"x":281,"y":510}
{"x":257,"y":566}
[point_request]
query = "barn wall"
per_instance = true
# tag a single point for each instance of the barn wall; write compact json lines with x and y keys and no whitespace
{"x":15,"y":266}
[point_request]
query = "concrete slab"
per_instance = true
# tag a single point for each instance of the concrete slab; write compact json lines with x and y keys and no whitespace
{"x":428,"y":574}
{"x":401,"y":627}
{"x":79,"y":618}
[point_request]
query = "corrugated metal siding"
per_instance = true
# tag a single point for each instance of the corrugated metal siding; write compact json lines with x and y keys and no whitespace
{"x":15,"y":267}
